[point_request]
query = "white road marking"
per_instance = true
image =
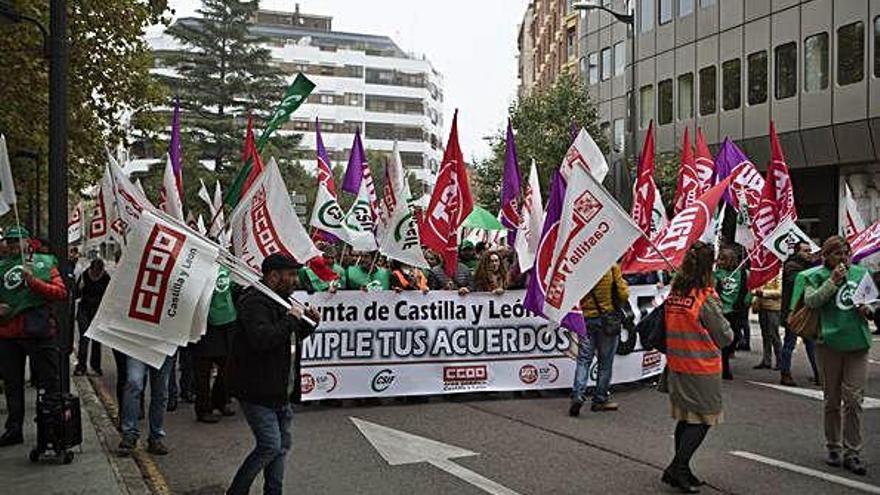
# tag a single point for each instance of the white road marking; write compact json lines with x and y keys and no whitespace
{"x":868,"y":403}
{"x":831,"y":478}
{"x":873,"y":361}
{"x":398,"y":448}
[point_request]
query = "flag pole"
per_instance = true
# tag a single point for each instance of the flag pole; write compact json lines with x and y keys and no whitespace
{"x":115,"y":202}
{"x":20,"y":240}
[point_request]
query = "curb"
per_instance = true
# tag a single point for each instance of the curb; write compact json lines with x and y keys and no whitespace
{"x":138,"y":474}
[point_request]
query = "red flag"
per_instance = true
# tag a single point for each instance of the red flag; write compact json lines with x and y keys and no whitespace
{"x":643,"y":197}
{"x":450,"y":203}
{"x":679,"y":234}
{"x":250,"y":153}
{"x":704,"y":164}
{"x":779,"y":180}
{"x":688,"y":187}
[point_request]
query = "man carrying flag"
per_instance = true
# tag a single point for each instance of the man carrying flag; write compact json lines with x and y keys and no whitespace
{"x":450,"y":204}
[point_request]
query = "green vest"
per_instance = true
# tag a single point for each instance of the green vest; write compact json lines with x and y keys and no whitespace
{"x":340,"y":272}
{"x":222,"y":310}
{"x":382,"y":277}
{"x":729,"y":286}
{"x":13,"y":289}
{"x":842,"y":327}
{"x":356,"y":277}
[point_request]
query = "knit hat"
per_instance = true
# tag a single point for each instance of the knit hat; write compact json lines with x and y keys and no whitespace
{"x":277,"y":261}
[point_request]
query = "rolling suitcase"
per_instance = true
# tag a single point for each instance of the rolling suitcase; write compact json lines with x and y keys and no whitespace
{"x":59,"y":426}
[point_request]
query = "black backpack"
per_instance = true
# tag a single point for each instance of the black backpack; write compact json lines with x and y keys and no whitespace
{"x":652,"y":329}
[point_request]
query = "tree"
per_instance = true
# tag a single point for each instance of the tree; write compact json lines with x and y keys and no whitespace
{"x":222,"y":72}
{"x":108,"y":77}
{"x":542,"y":122}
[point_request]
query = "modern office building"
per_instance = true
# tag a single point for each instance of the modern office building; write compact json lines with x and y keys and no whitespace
{"x":548,"y":43}
{"x":363,"y":81}
{"x":729,"y":66}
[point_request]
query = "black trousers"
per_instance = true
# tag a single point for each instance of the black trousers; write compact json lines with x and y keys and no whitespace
{"x":208,"y":396}
{"x":45,"y":359}
{"x":734,"y":320}
{"x":83,"y":320}
{"x":688,"y":438}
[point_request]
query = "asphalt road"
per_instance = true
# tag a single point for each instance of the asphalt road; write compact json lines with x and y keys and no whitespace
{"x":530,"y":446}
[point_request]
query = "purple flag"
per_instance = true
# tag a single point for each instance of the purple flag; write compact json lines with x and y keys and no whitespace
{"x":729,"y":157}
{"x":325,"y":175}
{"x":573,"y":130}
{"x":174,"y":148}
{"x":535,"y":290}
{"x":510,"y":189}
{"x":355,"y":171}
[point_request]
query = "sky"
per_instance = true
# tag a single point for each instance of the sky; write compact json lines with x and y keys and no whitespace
{"x":471,"y":42}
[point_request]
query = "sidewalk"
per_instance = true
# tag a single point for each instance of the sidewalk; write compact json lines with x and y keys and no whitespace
{"x":93,"y":469}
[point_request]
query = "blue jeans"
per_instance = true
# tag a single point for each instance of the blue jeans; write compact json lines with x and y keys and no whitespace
{"x":604,"y":348}
{"x":788,"y":346}
{"x":271,"y":429}
{"x":134,"y":388}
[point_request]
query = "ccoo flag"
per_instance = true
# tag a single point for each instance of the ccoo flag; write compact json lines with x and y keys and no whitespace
{"x":450,"y":204}
{"x":539,"y":278}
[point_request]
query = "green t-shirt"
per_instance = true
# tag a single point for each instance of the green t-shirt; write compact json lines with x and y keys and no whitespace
{"x":382,"y":278}
{"x":356,"y":277}
{"x":842,"y":328}
{"x":222,"y":309}
{"x":729,"y":284}
{"x":13,"y":289}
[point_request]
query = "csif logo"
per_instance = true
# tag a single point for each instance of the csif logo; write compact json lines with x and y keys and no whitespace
{"x":330,"y":214}
{"x":844,"y":299}
{"x":382,"y":380}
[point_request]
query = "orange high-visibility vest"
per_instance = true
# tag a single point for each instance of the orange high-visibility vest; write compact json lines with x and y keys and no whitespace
{"x":689,"y":347}
{"x":421,"y":280}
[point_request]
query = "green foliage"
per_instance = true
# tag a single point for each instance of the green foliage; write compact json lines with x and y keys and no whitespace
{"x":108,"y":76}
{"x":223,"y":73}
{"x":542,"y":123}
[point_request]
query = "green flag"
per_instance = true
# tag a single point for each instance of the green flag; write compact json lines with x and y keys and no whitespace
{"x":296,"y":94}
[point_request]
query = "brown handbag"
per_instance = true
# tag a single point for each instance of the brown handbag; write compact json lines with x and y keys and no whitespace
{"x":804,"y":321}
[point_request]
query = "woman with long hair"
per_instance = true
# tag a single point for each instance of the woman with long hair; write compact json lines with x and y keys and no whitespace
{"x":696,"y":331}
{"x":491,"y":274}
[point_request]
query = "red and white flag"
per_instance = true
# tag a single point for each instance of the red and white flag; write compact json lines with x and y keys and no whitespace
{"x":75,"y":224}
{"x":450,"y":204}
{"x":680,"y":234}
{"x":529,"y":236}
{"x":689,"y":187}
{"x":645,"y":199}
{"x":851,"y":220}
{"x":169,"y":195}
{"x":866,"y":243}
{"x":264,"y":222}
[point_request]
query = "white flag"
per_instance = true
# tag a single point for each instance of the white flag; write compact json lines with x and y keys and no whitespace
{"x":326,"y":213}
{"x":75,"y":224}
{"x":264,"y":222}
{"x":123,"y":203}
{"x":584,"y":153}
{"x":529,"y":236}
{"x":743,"y":233}
{"x":169,"y":195}
{"x":215,"y":230}
{"x":361,"y":217}
{"x":400,"y":239}
{"x":7,"y":185}
{"x":594,"y":232}
{"x":785,"y":238}
{"x":851,"y":222}
{"x":140,"y":187}
{"x":150,"y":306}
{"x":200,"y":225}
{"x":659,"y":219}
{"x":866,"y":292}
{"x":205,"y":196}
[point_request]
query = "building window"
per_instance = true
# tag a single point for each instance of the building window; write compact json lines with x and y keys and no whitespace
{"x":685,"y":7}
{"x":876,"y":46}
{"x":785,"y":79}
{"x":685,"y":96}
{"x":731,"y":84}
{"x":664,"y":102}
{"x":816,"y":62}
{"x":619,"y":58}
{"x":706,"y":3}
{"x":646,"y":105}
{"x":606,"y":64}
{"x":571,"y":43}
{"x":707,"y":90}
{"x":665,"y":14}
{"x":619,"y":135}
{"x":593,"y":66}
{"x":757,"y":77}
{"x":647,"y":21}
{"x":850,"y":53}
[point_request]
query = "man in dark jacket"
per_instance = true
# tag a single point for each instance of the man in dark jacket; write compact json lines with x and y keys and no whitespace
{"x":260,"y":372}
{"x":796,"y":263}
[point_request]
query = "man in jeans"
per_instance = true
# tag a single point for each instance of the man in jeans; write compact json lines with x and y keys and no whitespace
{"x":136,"y":372}
{"x":603,"y":335}
{"x":260,"y":372}
{"x":799,"y":261}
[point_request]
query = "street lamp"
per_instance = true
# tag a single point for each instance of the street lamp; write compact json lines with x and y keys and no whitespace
{"x":630,"y":20}
{"x":10,"y":15}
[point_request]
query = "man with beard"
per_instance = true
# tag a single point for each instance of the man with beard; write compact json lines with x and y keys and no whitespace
{"x":264,"y":376}
{"x":799,"y":261}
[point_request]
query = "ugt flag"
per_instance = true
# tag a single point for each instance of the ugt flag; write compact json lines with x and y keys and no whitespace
{"x":679,"y":235}
{"x":532,"y":220}
{"x":400,"y":239}
{"x":688,"y":188}
{"x":450,"y":204}
{"x":156,"y":300}
{"x":593,"y":233}
{"x":264,"y":223}
{"x":539,"y":277}
{"x":327,"y":216}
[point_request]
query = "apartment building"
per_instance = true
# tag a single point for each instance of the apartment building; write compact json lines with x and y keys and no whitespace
{"x":548,"y":43}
